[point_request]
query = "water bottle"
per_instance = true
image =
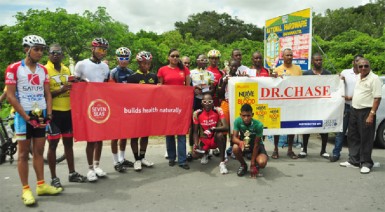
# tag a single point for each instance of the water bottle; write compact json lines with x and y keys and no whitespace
{"x":9,"y":131}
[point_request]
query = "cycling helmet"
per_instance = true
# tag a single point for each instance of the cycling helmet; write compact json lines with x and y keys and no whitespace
{"x":123,"y":52}
{"x":33,"y":40}
{"x":99,"y":42}
{"x":143,"y":56}
{"x":214,"y":53}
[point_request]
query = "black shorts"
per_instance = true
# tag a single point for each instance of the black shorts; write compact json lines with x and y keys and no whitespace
{"x":261,"y":150}
{"x":61,"y":125}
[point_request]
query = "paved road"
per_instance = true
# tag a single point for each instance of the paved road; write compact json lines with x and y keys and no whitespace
{"x":311,"y":184}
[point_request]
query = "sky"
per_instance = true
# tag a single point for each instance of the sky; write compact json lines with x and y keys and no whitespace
{"x":160,"y":15}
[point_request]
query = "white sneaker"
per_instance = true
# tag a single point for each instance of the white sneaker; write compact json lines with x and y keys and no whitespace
{"x":347,"y":164}
{"x":91,"y":176}
{"x":205,"y":159}
{"x":223,"y":168}
{"x":138,"y":165}
{"x":365,"y":170}
{"x":166,"y":155}
{"x":146,"y":163}
{"x":99,"y":172}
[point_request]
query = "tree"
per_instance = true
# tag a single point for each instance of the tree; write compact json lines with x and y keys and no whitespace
{"x":221,"y":27}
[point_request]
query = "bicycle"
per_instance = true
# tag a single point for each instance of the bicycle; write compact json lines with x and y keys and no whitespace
{"x":8,"y":147}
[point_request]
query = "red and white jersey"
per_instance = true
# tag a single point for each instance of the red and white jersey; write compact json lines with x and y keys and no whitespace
{"x":209,"y":119}
{"x":29,"y":86}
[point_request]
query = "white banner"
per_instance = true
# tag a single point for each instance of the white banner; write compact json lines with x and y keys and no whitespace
{"x":292,"y":104}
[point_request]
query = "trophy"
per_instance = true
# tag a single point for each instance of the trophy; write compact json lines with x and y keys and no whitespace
{"x":204,"y":86}
{"x":36,"y":113}
{"x":246,"y":139}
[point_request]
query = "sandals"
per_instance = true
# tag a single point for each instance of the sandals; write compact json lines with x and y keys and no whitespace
{"x":275,"y":155}
{"x":292,"y":155}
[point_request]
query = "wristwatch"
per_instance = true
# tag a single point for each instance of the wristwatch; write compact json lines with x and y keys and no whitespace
{"x":373,"y":112}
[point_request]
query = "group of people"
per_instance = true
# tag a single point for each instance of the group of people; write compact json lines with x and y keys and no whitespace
{"x":40,"y":96}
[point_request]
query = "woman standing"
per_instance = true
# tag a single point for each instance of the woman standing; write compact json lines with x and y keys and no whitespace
{"x":175,"y":74}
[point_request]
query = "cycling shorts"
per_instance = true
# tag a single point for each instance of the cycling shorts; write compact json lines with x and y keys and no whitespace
{"x":24,"y":130}
{"x":209,"y":143}
{"x":60,"y":126}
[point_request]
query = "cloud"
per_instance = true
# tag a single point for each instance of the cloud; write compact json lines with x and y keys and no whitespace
{"x":160,"y":15}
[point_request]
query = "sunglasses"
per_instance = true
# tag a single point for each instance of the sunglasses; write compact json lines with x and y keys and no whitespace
{"x":58,"y":52}
{"x":206,"y":102}
{"x":123,"y":58}
{"x":100,"y":50}
{"x":363,"y":66}
{"x":174,"y":56}
{"x":203,"y":60}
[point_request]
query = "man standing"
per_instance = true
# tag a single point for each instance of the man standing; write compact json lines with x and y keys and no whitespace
{"x":209,"y":125}
{"x":286,"y":69}
{"x":120,"y":74}
{"x":186,"y":61}
{"x":94,"y":70}
{"x":257,"y":67}
{"x":28,"y":92}
{"x":236,"y":54}
{"x":366,"y":99}
{"x":61,"y":125}
{"x":317,"y":70}
{"x":349,"y":76}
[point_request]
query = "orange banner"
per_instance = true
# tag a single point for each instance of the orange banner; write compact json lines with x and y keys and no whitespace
{"x":104,"y":111}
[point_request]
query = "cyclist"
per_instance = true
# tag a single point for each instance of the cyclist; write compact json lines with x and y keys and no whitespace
{"x":94,"y":70}
{"x":142,"y":76}
{"x":61,"y":125}
{"x":120,"y":74}
{"x":209,"y":123}
{"x":28,"y":89}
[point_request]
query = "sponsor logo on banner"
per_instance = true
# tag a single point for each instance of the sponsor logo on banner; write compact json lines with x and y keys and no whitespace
{"x":99,"y":111}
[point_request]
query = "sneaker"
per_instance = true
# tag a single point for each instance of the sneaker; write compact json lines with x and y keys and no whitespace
{"x":334,"y":158}
{"x":223,"y":168}
{"x":205,"y":159}
{"x":119,"y":167}
{"x":365,"y":170}
{"x":242,"y":170}
{"x":325,"y":155}
{"x":166,"y":155}
{"x":189,"y":157}
{"x":146,"y":163}
{"x":46,"y":189}
{"x":232,"y":156}
{"x":56,"y":182}
{"x":347,"y":164}
{"x":229,"y":150}
{"x":138,"y":165}
{"x":76,"y":178}
{"x":99,"y":172}
{"x":302,"y":154}
{"x":127,"y":163}
{"x":91,"y":176}
{"x":216,"y":152}
{"x":28,"y":198}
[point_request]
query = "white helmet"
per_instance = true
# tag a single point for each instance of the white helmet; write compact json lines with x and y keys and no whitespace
{"x":123,"y":52}
{"x":33,"y":40}
{"x":143,"y":56}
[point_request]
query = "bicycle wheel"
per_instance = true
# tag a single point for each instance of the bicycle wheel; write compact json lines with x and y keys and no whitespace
{"x":2,"y":152}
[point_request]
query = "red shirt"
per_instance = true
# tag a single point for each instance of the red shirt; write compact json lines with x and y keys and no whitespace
{"x":209,"y":119}
{"x":264,"y":72}
{"x":217,"y":74}
{"x":173,"y":76}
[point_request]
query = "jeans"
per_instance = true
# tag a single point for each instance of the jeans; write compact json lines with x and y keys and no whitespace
{"x":171,"y":148}
{"x":339,"y":141}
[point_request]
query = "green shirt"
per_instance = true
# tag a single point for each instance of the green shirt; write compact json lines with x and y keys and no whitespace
{"x":255,"y":129}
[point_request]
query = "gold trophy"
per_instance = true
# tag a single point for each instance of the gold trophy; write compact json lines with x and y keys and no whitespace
{"x":36,"y":113}
{"x":246,"y":139}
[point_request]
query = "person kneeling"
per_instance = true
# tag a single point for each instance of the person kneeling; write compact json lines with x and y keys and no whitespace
{"x":247,"y":136}
{"x":209,"y":124}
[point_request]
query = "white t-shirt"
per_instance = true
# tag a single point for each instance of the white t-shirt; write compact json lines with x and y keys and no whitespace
{"x":91,"y":72}
{"x":350,"y":83}
{"x":202,"y":78}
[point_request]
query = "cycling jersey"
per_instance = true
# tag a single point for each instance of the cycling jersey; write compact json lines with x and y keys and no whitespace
{"x":29,"y":85}
{"x":120,"y":75}
{"x":207,"y":120}
{"x":217,"y":74}
{"x":141,"y":78}
{"x":91,"y":72}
